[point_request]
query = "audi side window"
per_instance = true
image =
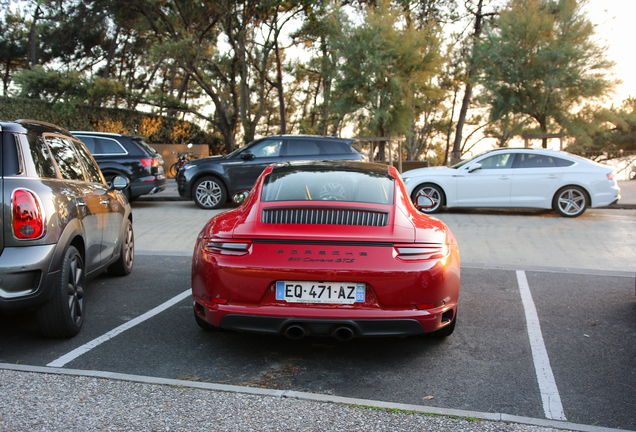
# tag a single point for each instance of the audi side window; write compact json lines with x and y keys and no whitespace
{"x":536,"y":161}
{"x":67,"y":161}
{"x":563,"y":162}
{"x":93,"y":174}
{"x":90,"y":144}
{"x":44,"y":166}
{"x":110,"y":146}
{"x":498,"y":161}
{"x":302,"y":148}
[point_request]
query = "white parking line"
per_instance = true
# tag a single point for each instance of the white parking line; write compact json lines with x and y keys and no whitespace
{"x":62,"y":361}
{"x":552,"y":406}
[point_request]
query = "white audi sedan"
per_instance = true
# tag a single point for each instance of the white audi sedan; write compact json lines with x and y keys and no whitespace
{"x":518,"y":178}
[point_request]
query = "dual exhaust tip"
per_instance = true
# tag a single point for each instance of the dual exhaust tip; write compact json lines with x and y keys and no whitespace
{"x":343,"y":333}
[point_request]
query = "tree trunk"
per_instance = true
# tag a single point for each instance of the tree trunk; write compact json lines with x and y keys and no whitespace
{"x":32,"y":58}
{"x":279,"y":87}
{"x":457,"y":153}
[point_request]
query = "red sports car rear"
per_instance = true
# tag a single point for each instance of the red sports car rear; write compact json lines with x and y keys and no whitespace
{"x":327,"y":249}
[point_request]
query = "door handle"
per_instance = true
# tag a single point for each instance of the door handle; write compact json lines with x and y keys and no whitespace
{"x":105,"y":202}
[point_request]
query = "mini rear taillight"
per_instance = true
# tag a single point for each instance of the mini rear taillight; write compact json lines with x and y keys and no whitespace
{"x":610,"y":176}
{"x":226,"y":248}
{"x":28,"y":219}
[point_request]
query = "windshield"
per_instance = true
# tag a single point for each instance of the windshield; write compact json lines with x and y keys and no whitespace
{"x":464,"y":162}
{"x":328,"y":185}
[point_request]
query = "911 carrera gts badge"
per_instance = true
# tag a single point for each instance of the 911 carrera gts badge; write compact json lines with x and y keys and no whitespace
{"x":323,"y":256}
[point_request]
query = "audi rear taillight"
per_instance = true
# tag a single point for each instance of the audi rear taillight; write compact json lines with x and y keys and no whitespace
{"x":154,"y":162}
{"x":28,"y":219}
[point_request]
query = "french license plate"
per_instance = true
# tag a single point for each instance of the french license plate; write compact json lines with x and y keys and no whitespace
{"x":320,"y":292}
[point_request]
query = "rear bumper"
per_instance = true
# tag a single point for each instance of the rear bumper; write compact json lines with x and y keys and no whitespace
{"x":325,"y":322}
{"x":322,"y":327}
{"x":25,"y":279}
{"x":148,"y":186}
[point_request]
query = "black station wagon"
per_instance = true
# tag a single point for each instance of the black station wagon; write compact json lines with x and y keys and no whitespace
{"x":127,"y":156}
{"x":211,"y":181}
{"x":61,"y":225}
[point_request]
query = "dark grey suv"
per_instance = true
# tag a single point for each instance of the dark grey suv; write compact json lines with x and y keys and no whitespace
{"x":61,"y":225}
{"x":211,"y":181}
{"x":128,"y":156}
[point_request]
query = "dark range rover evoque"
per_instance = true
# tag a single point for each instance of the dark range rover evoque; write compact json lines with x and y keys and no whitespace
{"x":211,"y":181}
{"x":61,"y":225}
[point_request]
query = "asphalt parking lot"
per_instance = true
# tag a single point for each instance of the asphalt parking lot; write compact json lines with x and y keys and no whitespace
{"x":546,"y":327}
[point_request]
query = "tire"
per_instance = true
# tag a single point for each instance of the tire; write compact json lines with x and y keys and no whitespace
{"x":434,"y":192}
{"x":124,"y":265}
{"x":570,"y":201}
{"x":174,"y":170}
{"x":209,"y":193}
{"x":63,"y":315}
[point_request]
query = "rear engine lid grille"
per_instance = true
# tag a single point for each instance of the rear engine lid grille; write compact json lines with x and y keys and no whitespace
{"x":314,"y":216}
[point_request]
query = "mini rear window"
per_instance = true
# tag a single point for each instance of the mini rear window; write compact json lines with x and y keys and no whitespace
{"x":328,"y":185}
{"x":44,"y":166}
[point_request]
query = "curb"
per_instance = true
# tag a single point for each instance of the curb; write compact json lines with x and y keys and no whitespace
{"x":496,"y":417}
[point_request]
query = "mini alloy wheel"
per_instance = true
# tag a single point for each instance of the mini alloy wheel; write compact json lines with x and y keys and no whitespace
{"x":124,"y":265}
{"x":63,"y":315}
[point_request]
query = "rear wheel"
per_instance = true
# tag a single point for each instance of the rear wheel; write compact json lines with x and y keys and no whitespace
{"x":570,"y":201}
{"x":124,"y":265}
{"x":434,"y":192}
{"x":63,"y":315}
{"x":209,"y":193}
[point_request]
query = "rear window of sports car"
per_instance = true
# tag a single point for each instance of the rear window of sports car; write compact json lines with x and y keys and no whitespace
{"x":328,"y":185}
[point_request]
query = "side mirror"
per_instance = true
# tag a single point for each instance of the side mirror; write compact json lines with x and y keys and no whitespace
{"x":119,"y":183}
{"x":424,"y":202}
{"x":240,"y":197}
{"x":247,"y":156}
{"x":474,"y":167}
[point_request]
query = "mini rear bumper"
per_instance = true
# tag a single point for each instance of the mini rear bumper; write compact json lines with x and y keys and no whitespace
{"x":25,"y":277}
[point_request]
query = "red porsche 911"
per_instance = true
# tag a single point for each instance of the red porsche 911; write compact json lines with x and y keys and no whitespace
{"x":330,"y":248}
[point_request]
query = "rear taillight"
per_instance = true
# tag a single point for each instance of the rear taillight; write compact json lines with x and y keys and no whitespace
{"x":150,"y":162}
{"x":421,"y":252}
{"x":224,"y":247}
{"x":28,"y":219}
{"x":610,"y":176}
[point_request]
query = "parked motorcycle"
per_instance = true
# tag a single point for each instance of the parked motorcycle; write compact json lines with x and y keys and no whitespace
{"x":182,"y":159}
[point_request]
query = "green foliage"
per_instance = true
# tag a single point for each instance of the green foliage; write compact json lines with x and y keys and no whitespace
{"x":385,"y":65}
{"x":605,"y":129}
{"x":541,"y":60}
{"x":156,"y":129}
